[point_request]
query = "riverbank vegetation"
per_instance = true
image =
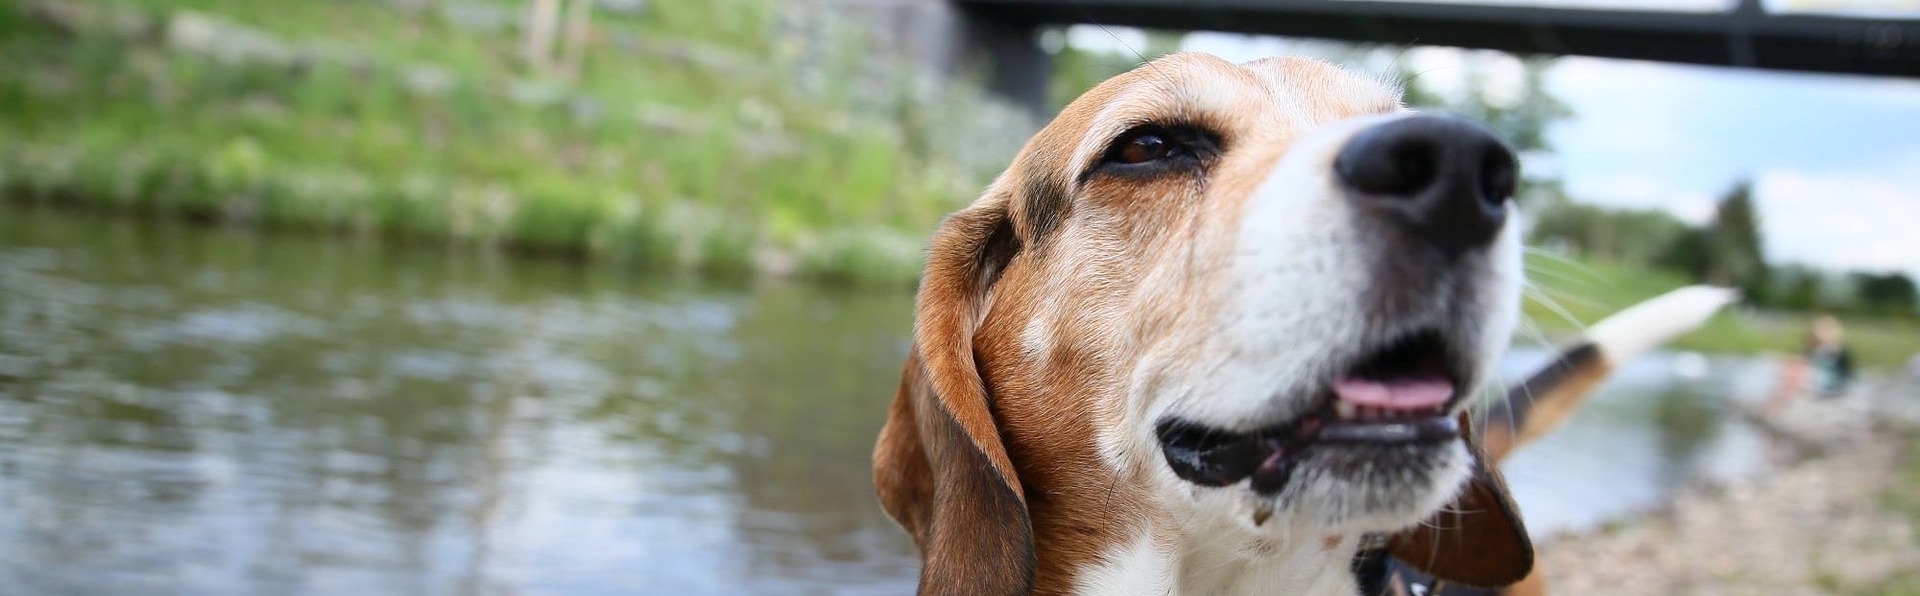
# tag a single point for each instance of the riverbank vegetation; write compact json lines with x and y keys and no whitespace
{"x":724,"y":136}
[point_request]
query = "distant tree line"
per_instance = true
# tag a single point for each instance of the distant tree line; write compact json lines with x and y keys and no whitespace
{"x":1726,"y":250}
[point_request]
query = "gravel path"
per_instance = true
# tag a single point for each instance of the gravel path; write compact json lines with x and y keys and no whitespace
{"x":1837,"y":516}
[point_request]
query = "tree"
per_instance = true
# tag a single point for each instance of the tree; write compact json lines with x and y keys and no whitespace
{"x":1629,"y":236}
{"x":1885,"y":294}
{"x":1691,"y":253}
{"x":1523,"y":123}
{"x":1735,"y":244}
{"x":1798,"y":287}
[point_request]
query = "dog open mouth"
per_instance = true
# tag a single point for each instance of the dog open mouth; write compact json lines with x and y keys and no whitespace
{"x":1398,"y":395}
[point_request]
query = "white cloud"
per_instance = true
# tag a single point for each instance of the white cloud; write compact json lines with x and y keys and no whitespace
{"x":1639,"y":190}
{"x":1450,"y":72}
{"x":1890,"y":8}
{"x":1866,"y":218}
{"x":1657,"y":5}
{"x":1238,"y":48}
{"x":1622,"y":108}
{"x":1096,"y":38}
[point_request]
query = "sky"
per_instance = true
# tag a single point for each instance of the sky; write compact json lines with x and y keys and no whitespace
{"x":1835,"y":160}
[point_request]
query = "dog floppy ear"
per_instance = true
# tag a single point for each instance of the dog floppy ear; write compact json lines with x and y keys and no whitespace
{"x":940,"y":468}
{"x":1478,"y":539}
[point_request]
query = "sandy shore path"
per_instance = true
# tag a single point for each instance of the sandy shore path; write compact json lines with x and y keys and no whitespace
{"x":1839,"y":515}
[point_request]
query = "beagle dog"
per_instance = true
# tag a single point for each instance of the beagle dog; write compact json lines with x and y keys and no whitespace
{"x":1213,"y":332}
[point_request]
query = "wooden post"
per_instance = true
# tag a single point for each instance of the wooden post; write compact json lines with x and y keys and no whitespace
{"x":541,"y":19}
{"x":579,"y":31}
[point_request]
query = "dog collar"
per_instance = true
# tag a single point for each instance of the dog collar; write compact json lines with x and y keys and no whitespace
{"x":1381,"y":574}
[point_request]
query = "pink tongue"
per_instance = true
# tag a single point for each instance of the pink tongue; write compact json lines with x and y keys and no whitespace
{"x":1403,"y":394}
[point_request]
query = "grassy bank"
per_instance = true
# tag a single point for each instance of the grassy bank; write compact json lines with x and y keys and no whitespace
{"x":688,"y":136}
{"x":1570,"y":293}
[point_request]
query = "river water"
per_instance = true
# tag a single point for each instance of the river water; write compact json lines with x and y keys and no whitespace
{"x":186,"y":410}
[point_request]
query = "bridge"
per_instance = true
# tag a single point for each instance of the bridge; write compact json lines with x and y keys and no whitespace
{"x":1002,"y":33}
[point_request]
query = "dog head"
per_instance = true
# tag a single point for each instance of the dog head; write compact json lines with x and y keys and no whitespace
{"x":1246,"y":301}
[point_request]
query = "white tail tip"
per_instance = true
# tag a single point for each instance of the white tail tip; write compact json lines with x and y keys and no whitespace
{"x":1629,"y":332}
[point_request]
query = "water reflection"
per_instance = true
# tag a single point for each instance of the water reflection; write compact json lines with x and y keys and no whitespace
{"x":1646,"y":433}
{"x":193,"y":411}
{"x":209,"y":413}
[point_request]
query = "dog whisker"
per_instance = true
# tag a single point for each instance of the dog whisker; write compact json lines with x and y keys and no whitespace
{"x":1564,"y":296}
{"x":1552,"y":305}
{"x":1170,"y":84}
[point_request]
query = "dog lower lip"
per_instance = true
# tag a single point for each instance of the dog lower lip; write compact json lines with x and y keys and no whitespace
{"x":1438,"y":428}
{"x":1207,"y":456}
{"x":1213,"y":457}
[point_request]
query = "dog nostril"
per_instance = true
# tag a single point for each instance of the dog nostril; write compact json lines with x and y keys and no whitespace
{"x":1410,"y":165}
{"x":1415,"y":164}
{"x":1499,"y":175}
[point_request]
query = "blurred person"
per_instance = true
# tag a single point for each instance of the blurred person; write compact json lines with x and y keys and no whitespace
{"x":1825,"y":358}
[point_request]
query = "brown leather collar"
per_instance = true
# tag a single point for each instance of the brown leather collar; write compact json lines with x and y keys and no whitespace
{"x":1380,"y":574}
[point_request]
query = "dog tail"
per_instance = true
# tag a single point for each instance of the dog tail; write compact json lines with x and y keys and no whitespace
{"x":1534,"y":407}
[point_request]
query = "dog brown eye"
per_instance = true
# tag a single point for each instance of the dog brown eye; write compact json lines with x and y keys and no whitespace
{"x":1157,"y":149}
{"x":1144,"y":148}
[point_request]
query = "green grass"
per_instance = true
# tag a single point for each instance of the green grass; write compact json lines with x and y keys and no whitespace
{"x":683,"y":141}
{"x":1569,"y":293}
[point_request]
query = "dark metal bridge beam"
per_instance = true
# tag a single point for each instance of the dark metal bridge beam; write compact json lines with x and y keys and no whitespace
{"x":1744,"y":37}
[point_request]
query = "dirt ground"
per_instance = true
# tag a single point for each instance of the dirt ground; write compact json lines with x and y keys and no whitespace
{"x":1838,"y":516}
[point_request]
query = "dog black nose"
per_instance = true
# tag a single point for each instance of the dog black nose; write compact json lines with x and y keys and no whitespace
{"x":1445,"y":180}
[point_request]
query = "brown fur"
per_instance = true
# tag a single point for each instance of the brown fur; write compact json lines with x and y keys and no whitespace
{"x":1477,"y":539}
{"x":940,"y":466}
